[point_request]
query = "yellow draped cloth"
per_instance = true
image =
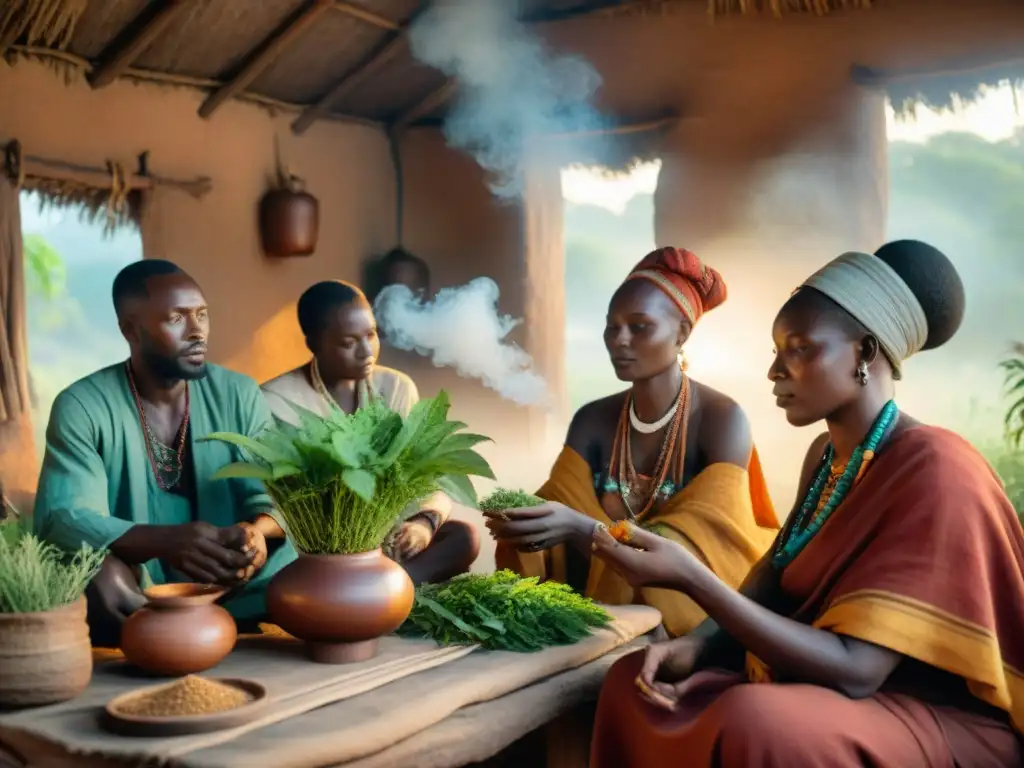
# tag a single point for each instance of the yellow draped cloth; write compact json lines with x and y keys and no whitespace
{"x":724,"y":516}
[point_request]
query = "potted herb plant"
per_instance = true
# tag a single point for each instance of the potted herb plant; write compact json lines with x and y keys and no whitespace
{"x":340,"y":483}
{"x":45,"y":656}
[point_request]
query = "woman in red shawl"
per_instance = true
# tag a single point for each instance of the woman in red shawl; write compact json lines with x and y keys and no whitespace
{"x":670,"y":454}
{"x":886,"y":626}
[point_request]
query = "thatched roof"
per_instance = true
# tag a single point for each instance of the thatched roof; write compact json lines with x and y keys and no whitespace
{"x":318,"y":59}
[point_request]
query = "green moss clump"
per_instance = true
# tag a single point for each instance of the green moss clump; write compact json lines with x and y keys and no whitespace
{"x":506,"y":498}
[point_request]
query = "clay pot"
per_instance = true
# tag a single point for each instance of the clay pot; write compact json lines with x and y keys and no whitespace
{"x":45,"y":657}
{"x":180,"y":631}
{"x":340,"y":604}
{"x":289,"y":223}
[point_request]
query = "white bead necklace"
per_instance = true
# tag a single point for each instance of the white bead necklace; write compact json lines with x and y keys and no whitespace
{"x":655,"y":426}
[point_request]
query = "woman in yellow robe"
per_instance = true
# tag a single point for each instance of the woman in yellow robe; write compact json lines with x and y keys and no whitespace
{"x":671,"y":454}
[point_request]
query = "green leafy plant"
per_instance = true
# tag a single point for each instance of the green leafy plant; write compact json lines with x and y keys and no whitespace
{"x":36,"y":576}
{"x":505,"y":498}
{"x":1013,"y":370}
{"x":502,"y":611}
{"x":45,"y":270}
{"x":341,"y":482}
{"x":1009,"y":465}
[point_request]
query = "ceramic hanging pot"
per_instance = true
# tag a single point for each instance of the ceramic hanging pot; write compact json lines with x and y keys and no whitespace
{"x":341,"y":605}
{"x":180,"y":631}
{"x":289,"y":222}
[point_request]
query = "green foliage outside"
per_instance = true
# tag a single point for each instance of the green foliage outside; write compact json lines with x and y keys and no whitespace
{"x":72,"y":331}
{"x":45,"y":273}
{"x":1013,"y":367}
{"x":341,"y":482}
{"x":1009,"y":463}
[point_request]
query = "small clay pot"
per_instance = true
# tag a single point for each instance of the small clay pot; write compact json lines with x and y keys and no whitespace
{"x":289,"y":223}
{"x":341,"y":605}
{"x":180,"y":631}
{"x":45,"y":657}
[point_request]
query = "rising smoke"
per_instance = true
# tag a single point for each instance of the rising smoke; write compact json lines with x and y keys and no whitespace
{"x":511,"y":89}
{"x":461,"y":328}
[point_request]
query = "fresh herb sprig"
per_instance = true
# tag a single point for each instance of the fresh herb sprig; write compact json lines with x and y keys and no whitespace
{"x":504,"y":612}
{"x":36,"y":576}
{"x":506,"y":498}
{"x":341,"y":482}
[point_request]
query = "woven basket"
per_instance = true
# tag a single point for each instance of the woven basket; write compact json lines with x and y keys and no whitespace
{"x":45,"y":657}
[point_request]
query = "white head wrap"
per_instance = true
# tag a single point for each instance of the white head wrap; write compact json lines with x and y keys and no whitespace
{"x":875,"y":294}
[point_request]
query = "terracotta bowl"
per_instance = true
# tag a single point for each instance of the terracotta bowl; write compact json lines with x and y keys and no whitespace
{"x":341,"y":605}
{"x":180,"y":631}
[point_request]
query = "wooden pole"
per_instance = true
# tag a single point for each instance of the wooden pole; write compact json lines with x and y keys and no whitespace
{"x":266,"y":53}
{"x":369,"y":17}
{"x":350,"y":82}
{"x":426,"y":105}
{"x":134,"y":39}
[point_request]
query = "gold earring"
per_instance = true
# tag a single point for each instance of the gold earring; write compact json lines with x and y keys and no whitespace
{"x":862,"y":373}
{"x":683,"y":365}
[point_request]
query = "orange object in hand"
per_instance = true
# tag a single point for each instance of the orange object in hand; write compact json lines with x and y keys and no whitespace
{"x":621,"y":531}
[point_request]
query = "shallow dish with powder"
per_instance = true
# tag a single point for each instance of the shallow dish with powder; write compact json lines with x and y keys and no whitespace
{"x":190,"y":705}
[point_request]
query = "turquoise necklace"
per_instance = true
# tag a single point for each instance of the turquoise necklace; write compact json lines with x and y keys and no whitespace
{"x":797,"y":536}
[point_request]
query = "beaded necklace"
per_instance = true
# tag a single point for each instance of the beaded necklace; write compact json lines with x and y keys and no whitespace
{"x":165,"y":461}
{"x":622,"y":475}
{"x":830,"y":488}
{"x":364,"y":392}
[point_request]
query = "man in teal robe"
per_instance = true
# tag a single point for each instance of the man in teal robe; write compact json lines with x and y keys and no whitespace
{"x":125,"y":467}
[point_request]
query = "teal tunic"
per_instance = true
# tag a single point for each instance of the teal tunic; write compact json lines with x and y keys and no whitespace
{"x":97,"y":482}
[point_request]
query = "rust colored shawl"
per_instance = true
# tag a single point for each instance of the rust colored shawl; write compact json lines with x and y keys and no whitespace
{"x":724,"y":515}
{"x":925,"y":557}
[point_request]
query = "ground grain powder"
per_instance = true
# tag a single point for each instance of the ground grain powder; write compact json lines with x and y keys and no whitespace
{"x":192,"y":695}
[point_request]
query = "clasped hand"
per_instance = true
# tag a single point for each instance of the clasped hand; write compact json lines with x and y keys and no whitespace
{"x":531,"y":529}
{"x":413,"y":538}
{"x":212,"y":555}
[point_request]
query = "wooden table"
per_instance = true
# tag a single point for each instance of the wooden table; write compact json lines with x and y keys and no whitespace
{"x":563,"y":741}
{"x":547,"y":723}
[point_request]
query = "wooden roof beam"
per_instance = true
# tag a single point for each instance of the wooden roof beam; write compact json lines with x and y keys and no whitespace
{"x":425,"y":106}
{"x":134,"y":39}
{"x":350,"y":82}
{"x":367,"y":16}
{"x":384,"y":54}
{"x":660,"y":122}
{"x":266,"y":53}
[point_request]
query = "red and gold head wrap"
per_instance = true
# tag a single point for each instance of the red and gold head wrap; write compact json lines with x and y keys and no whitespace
{"x":694,"y":287}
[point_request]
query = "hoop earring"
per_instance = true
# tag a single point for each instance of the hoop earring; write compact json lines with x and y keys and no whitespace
{"x":862,"y":373}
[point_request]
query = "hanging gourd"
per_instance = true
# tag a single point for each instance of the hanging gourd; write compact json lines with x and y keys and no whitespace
{"x":289,"y":218}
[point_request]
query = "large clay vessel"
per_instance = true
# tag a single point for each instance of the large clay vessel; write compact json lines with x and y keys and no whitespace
{"x":180,"y":631}
{"x":45,"y":657}
{"x":289,"y":222}
{"x":341,"y":605}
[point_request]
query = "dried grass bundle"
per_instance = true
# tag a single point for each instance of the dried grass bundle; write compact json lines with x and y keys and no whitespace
{"x":727,"y":7}
{"x":780,"y":7}
{"x":93,"y":203}
{"x":49,"y":23}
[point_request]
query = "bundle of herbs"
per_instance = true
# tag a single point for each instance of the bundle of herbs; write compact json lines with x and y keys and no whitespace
{"x":504,"y":498}
{"x":341,"y":482}
{"x":36,"y":577}
{"x":502,"y":612}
